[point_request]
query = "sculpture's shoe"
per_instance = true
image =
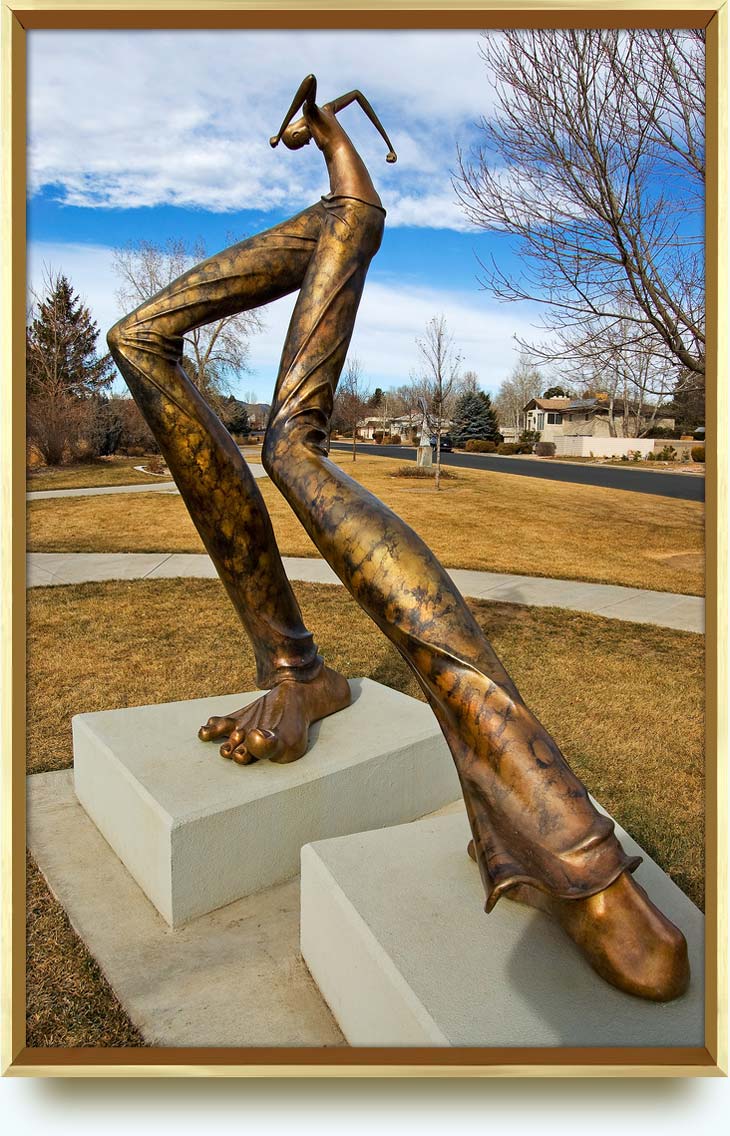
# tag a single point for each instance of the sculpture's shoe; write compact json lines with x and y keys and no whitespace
{"x":626,"y":939}
{"x":276,"y":726}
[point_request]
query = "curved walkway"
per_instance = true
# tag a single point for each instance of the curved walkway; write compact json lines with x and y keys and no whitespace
{"x":662,"y":609}
{"x":165,"y":486}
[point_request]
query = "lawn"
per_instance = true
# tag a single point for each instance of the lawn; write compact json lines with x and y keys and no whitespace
{"x":89,"y":474}
{"x":607,"y":690}
{"x":491,"y":521}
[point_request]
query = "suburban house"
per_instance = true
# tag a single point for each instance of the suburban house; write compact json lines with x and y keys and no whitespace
{"x":546,"y":415}
{"x":406,"y":426}
{"x":258,"y":414}
{"x":582,"y":426}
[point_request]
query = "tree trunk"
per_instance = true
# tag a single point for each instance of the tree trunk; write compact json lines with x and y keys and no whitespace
{"x":611,"y":418}
{"x":437,"y":475}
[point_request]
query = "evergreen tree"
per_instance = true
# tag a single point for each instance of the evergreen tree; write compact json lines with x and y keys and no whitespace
{"x":687,"y":406}
{"x":61,"y":352}
{"x":65,"y":377}
{"x":474,"y":418}
{"x":235,"y":417}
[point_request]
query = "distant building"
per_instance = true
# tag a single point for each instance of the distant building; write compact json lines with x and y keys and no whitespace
{"x":582,"y":426}
{"x":406,"y":425}
{"x":584,"y":417}
{"x":258,"y":414}
{"x":546,"y":415}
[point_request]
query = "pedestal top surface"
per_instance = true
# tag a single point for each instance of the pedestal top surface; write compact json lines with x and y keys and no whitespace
{"x":158,"y":747}
{"x":510,"y":978}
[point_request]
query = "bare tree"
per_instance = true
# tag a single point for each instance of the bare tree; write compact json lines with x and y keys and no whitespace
{"x":351,"y":400}
{"x":594,"y":161}
{"x":522,"y":385}
{"x":611,"y":360}
{"x":404,"y":403}
{"x":469,"y":383}
{"x":438,"y":378}
{"x":211,"y":352}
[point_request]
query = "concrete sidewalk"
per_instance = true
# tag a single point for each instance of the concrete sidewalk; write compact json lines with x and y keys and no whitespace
{"x":662,"y":609}
{"x":165,"y":486}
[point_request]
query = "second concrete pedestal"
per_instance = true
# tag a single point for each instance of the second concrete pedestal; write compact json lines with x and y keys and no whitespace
{"x":197,"y":832}
{"x":394,"y":934}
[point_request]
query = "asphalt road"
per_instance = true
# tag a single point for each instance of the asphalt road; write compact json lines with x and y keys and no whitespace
{"x":683,"y":486}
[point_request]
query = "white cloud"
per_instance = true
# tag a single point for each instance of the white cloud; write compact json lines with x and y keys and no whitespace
{"x":391,"y":315}
{"x":130,"y":119}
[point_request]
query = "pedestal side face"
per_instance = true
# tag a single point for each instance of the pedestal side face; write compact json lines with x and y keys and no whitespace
{"x":235,"y":830}
{"x":419,"y":955}
{"x":369,"y":998}
{"x":128,"y":817}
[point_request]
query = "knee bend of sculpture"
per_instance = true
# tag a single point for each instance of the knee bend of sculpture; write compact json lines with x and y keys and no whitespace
{"x":115,"y":338}
{"x":131,"y":334}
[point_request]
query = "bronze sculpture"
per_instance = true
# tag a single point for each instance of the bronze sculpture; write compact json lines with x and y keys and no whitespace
{"x":536,"y":835}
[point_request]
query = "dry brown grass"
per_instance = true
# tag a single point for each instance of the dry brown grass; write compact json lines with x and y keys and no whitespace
{"x":70,"y":1003}
{"x":490,"y":521}
{"x":89,"y":475}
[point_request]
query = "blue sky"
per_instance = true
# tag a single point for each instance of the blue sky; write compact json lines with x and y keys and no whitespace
{"x":150,"y":135}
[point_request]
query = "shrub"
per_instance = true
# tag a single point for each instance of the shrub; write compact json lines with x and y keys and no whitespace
{"x":377,"y":437}
{"x":529,"y":438}
{"x":524,"y":448}
{"x":545,"y":449}
{"x":698,"y":453}
{"x":54,"y":426}
{"x":394,"y":440}
{"x":668,"y":454}
{"x":422,"y":472}
{"x":480,"y":446}
{"x":507,"y":448}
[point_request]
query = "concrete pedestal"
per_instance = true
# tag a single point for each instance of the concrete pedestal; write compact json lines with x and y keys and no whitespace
{"x":233,"y":977}
{"x":394,"y":934}
{"x":197,"y":832}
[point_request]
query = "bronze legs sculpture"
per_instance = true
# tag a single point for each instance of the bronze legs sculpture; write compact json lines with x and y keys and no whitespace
{"x":536,"y":833}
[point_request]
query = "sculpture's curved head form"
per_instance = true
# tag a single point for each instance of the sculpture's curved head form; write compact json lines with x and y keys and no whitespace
{"x":296,"y":135}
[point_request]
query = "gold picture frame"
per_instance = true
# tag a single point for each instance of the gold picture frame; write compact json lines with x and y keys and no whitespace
{"x":19,"y":16}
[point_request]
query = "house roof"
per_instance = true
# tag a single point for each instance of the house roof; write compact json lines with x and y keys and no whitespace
{"x":548,"y":403}
{"x":586,"y":405}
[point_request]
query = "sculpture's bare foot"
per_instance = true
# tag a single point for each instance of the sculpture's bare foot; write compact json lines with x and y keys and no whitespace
{"x":276,"y":725}
{"x":624,"y":936}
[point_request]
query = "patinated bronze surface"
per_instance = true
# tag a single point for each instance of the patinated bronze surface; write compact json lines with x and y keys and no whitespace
{"x":537,"y":837}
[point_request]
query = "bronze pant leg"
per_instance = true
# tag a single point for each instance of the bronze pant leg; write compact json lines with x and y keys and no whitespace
{"x":218,"y":488}
{"x":531,"y":817}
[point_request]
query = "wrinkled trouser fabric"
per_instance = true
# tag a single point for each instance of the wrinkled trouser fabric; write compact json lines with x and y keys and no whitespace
{"x":531,"y":817}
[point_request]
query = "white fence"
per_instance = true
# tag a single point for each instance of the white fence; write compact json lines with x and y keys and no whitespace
{"x":580,"y":446}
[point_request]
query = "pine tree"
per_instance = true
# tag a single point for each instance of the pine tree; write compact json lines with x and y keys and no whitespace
{"x":65,"y":377}
{"x":61,"y":352}
{"x":474,"y":418}
{"x":235,"y":417}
